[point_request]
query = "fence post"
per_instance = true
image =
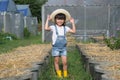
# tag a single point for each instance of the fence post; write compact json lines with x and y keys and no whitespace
{"x":85,"y":33}
{"x":108,"y":28}
{"x":43,"y":22}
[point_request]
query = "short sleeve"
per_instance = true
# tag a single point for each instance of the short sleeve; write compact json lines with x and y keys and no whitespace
{"x":52,"y":27}
{"x":67,"y":28}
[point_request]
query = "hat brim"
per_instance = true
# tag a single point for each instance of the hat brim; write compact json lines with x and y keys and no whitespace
{"x":54,"y":13}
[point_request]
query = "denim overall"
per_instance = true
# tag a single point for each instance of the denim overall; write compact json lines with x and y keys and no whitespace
{"x":61,"y":40}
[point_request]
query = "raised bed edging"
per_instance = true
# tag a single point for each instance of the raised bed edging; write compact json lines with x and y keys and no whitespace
{"x":27,"y":76}
{"x":89,"y":65}
{"x":104,"y":77}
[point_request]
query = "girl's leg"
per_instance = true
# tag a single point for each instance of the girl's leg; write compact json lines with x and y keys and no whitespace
{"x":56,"y":63}
{"x":64,"y":61}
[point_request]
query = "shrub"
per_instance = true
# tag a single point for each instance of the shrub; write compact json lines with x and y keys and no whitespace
{"x":26,"y":33}
{"x":6,"y":36}
{"x":113,"y":43}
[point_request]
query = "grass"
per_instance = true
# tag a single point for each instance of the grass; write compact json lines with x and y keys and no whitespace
{"x":10,"y":45}
{"x":75,"y":68}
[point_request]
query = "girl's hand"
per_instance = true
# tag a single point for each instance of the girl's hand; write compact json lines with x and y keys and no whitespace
{"x":48,"y":17}
{"x":72,"y":20}
{"x":46,"y":24}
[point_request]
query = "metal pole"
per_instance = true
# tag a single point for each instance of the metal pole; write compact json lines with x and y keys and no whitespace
{"x":108,"y":28}
{"x":25,"y":22}
{"x":43,"y":22}
{"x":114,"y":27}
{"x":85,"y":33}
{"x":4,"y":21}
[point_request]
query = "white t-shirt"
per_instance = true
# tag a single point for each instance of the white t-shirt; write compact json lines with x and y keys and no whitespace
{"x":60,"y":32}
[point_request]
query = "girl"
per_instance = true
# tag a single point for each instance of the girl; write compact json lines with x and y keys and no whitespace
{"x":59,"y":17}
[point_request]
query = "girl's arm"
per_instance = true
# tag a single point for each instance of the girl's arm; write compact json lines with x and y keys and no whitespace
{"x":73,"y":29}
{"x":47,"y":22}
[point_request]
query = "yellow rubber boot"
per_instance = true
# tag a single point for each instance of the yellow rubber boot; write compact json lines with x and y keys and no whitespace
{"x":59,"y":73}
{"x":65,"y":74}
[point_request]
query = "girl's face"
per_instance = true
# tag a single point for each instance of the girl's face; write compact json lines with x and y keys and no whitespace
{"x":60,"y":22}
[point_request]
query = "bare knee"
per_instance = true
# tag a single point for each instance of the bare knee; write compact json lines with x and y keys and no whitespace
{"x":56,"y":60}
{"x":64,"y":60}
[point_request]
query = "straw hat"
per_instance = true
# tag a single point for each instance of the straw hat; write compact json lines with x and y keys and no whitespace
{"x":54,"y":13}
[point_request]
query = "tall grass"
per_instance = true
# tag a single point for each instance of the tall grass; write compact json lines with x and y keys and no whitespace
{"x":75,"y":68}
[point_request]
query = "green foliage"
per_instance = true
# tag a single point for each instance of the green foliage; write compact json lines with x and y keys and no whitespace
{"x":117,"y":44}
{"x":113,"y":43}
{"x":35,"y":6}
{"x":26,"y":33}
{"x":6,"y":36}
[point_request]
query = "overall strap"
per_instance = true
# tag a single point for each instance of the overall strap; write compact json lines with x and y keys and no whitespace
{"x":57,"y":30}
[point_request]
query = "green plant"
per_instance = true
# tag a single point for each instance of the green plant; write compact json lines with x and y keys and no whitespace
{"x":117,"y":43}
{"x":26,"y":33}
{"x":113,"y":43}
{"x":6,"y":36}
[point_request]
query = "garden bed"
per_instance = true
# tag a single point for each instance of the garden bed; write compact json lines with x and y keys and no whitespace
{"x":23,"y":60}
{"x":100,"y":55}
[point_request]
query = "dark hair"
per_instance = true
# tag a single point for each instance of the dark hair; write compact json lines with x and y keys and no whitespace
{"x":60,"y":16}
